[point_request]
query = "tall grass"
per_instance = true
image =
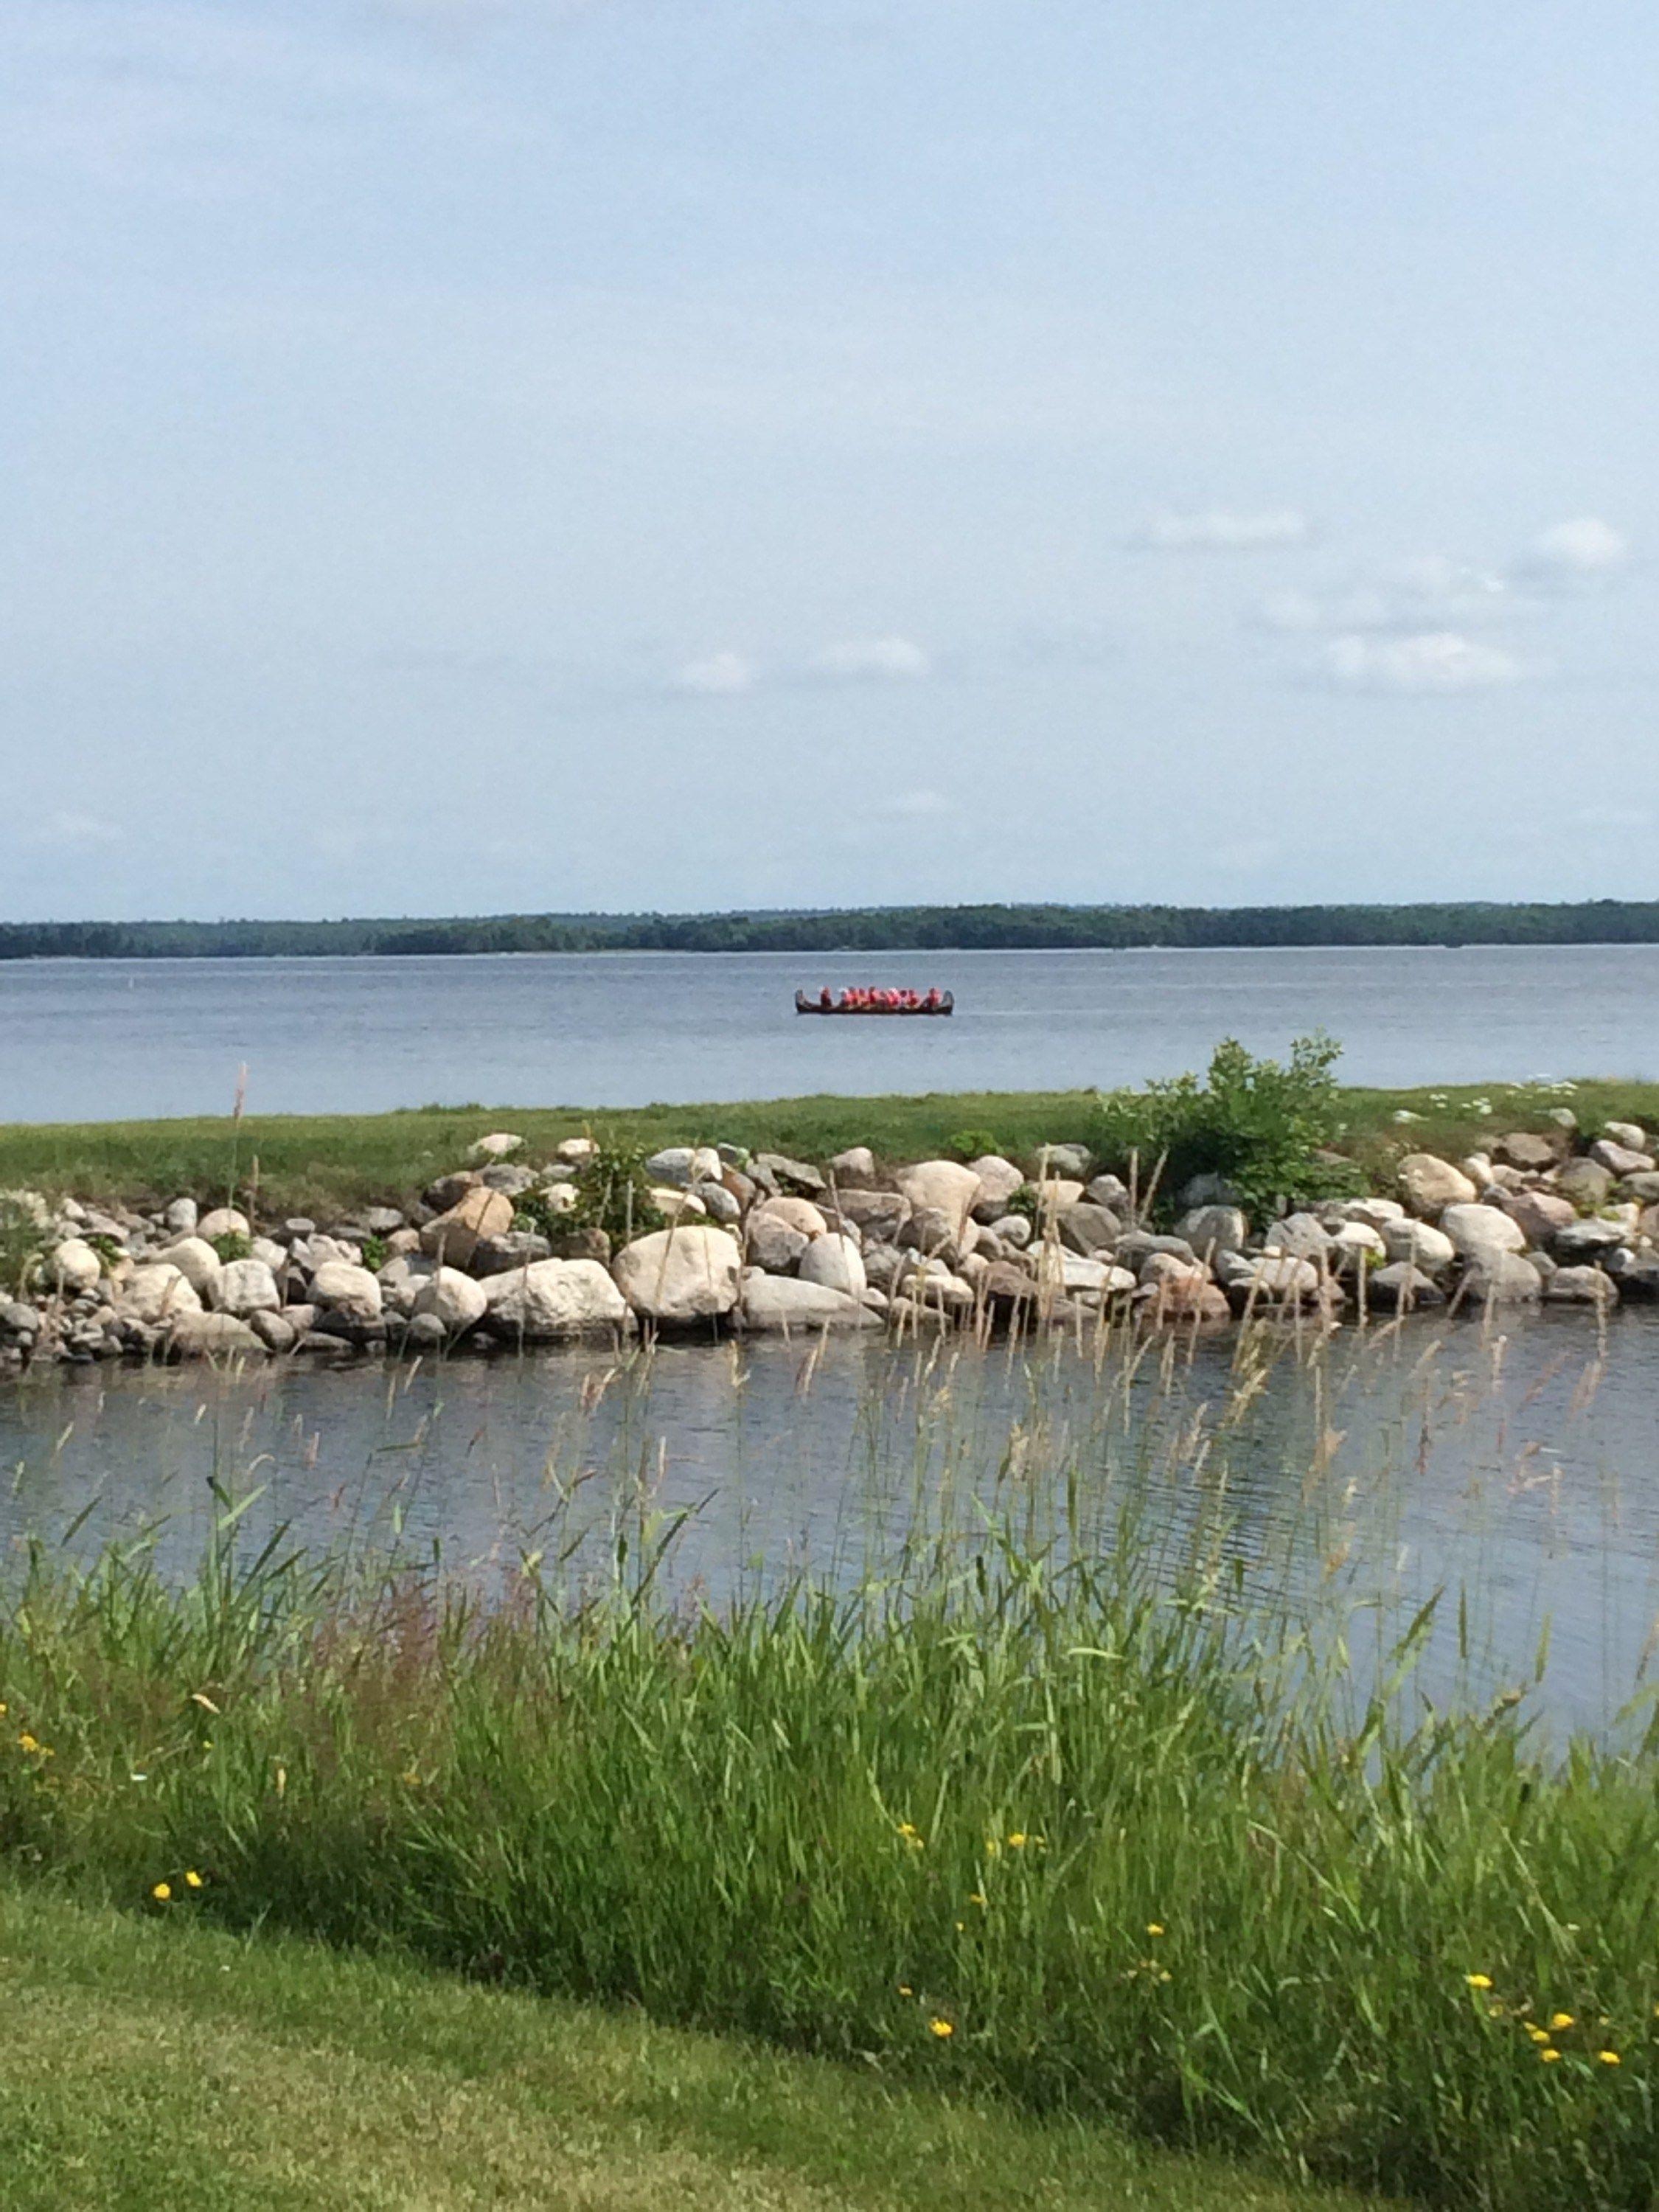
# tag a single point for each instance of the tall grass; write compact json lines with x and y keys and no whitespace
{"x":1062,"y":1826}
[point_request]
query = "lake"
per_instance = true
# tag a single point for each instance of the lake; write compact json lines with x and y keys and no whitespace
{"x":1518,"y":1466}
{"x":111,"y":1039}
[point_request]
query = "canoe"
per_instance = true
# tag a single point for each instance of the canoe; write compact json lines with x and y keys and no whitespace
{"x":806,"y":1006}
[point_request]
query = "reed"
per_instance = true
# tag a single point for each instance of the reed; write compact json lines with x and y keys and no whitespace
{"x":1083,"y":1825}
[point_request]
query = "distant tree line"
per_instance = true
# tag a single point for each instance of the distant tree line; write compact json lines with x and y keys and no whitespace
{"x":865,"y":929}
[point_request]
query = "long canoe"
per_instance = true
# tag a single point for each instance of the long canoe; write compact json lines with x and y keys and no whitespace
{"x":806,"y":1006}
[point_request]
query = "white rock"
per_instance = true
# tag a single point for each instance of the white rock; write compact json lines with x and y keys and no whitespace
{"x":1418,"y":1244}
{"x":1357,"y":1237}
{"x":452,"y":1298}
{"x":676,"y":1205}
{"x":223,"y":1221}
{"x":1376,"y":1213}
{"x":246,"y":1287}
{"x":785,"y":1303}
{"x":338,"y":1287}
{"x":211,"y":1336}
{"x":999,"y":1179}
{"x":833,"y":1262}
{"x":1054,"y":1192}
{"x":1633,"y":1138}
{"x":555,"y":1299}
{"x":180,"y":1215}
{"x":1480,"y":1233}
{"x":578,"y":1151}
{"x":680,"y":1274}
{"x":1013,"y":1229}
{"x":197,"y":1262}
{"x":1621,"y":1159}
{"x":853,"y":1169}
{"x":500,"y":1145}
{"x":74,"y":1266}
{"x":946,"y":1186}
{"x":797,"y":1213}
{"x":156,"y":1291}
{"x":1502,"y":1279}
{"x":1429,"y":1183}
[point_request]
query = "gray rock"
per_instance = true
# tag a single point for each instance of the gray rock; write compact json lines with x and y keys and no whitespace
{"x":1206,"y":1190}
{"x":211,"y":1336}
{"x":1110,"y":1191}
{"x":511,"y":1180}
{"x":1586,"y":1182}
{"x":879,"y":1214}
{"x":1480,"y":1233}
{"x":156,"y":1293}
{"x":1418,"y":1244}
{"x":718,"y":1203}
{"x":1088,"y":1228}
{"x":1069,"y":1163}
{"x":1428,"y":1183}
{"x":1583,"y":1240}
{"x":1621,"y":1159}
{"x":853,"y":1170}
{"x":449,"y":1190}
{"x":999,"y":1179}
{"x":382,"y":1220}
{"x":274,"y":1331}
{"x":1213,"y":1229}
{"x":1501,"y":1279}
{"x":351,"y":1293}
{"x":555,"y":1299}
{"x":1135,"y":1244}
{"x":1013,"y":1229}
{"x":680,"y":1275}
{"x":773,"y":1244}
{"x":246,"y":1287}
{"x":1399,"y":1287}
{"x":426,"y":1332}
{"x":1522,"y":1150}
{"x":180,"y":1215}
{"x":787,"y":1305}
{"x":1580,"y":1286}
{"x":517,"y":1248}
{"x":884,"y":1264}
{"x":834,"y":1263}
{"x":1301,"y":1235}
{"x":1630,"y":1135}
{"x":790,"y":1174}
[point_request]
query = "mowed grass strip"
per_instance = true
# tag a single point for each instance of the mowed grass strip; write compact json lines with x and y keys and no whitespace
{"x":164,"y":2062}
{"x":317,"y":1163}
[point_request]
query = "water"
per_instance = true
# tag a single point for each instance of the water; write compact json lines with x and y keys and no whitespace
{"x":114,"y":1040}
{"x":1522,"y":1469}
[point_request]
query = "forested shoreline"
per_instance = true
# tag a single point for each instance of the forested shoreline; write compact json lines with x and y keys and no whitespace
{"x":863,"y":929}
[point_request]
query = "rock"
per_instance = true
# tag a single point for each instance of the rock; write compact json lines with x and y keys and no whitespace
{"x":718,"y":1203}
{"x":1136,"y":1243}
{"x":1279,"y":1278}
{"x":1621,"y":1159}
{"x":1213,"y":1229}
{"x":1055,"y":1194}
{"x":180,"y":1215}
{"x":246,"y":1287}
{"x":798,"y":1213}
{"x":223,"y":1221}
{"x":1480,"y":1232}
{"x":1539,"y":1213}
{"x":884,"y":1265}
{"x":1637,"y":1273}
{"x":450,"y":1189}
{"x":453,"y":1299}
{"x":155,"y":1293}
{"x":383,"y":1220}
{"x":1427,"y":1184}
{"x":276,"y":1331}
{"x":1580,"y":1286}
{"x":352,"y":1293}
{"x":296,"y":1229}
{"x":1417,"y":1244}
{"x":197,"y":1262}
{"x":555,"y":1299}
{"x":500,"y":1145}
{"x":513,"y":1181}
{"x":1644,"y":1189}
{"x":1004,"y":1287}
{"x":853,"y":1169}
{"x":576,"y":1151}
{"x":1581,"y":1240}
{"x":834,"y":1263}
{"x":999,"y":1179}
{"x":1301,"y":1235}
{"x":1356,"y":1242}
{"x":1502,"y":1279}
{"x":1191,"y":1300}
{"x":423,"y":1333}
{"x":1207,"y":1189}
{"x":1630,"y":1135}
{"x":1069,"y":1162}
{"x":320,"y":1249}
{"x":211,"y":1336}
{"x":675,"y":1205}
{"x":1087,"y":1229}
{"x":1112,"y":1193}
{"x":73,"y":1267}
{"x":1013,"y":1229}
{"x":942,"y":1187}
{"x":680,"y":1274}
{"x":1170,"y":1268}
{"x":402,"y":1281}
{"x":879,"y":1214}
{"x":300,"y":1319}
{"x":1077,"y":1276}
{"x":784,"y":1303}
{"x":772,"y":1245}
{"x":455,"y":1235}
{"x":1648,"y":1225}
{"x":1521,"y":1150}
{"x":495,"y":1255}
{"x":1375,"y":1212}
{"x":1586,"y":1182}
{"x":1400,"y":1286}
{"x":17,"y":1320}
{"x":931,"y":1231}
{"x":681,"y":1165}
{"x":792,"y":1175}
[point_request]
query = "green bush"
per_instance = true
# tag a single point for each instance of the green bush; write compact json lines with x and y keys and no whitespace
{"x":613,"y":1194}
{"x":22,"y":1243}
{"x":234,"y":1244}
{"x":972,"y":1144}
{"x":1262,"y":1126}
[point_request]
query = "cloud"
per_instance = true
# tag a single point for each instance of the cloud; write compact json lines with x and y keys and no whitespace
{"x":866,"y":660}
{"x":71,"y":831}
{"x":1222,"y":530}
{"x":1436,"y":661}
{"x":718,"y":676}
{"x":1408,"y":596}
{"x":1569,"y":552}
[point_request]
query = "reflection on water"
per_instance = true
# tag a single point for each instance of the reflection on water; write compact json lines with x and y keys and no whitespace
{"x":1519,"y":1467}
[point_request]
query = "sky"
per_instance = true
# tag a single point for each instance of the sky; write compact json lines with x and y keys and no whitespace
{"x":482,"y":455}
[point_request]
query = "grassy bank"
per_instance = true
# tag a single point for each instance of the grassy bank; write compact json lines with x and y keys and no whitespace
{"x":313,"y":1164}
{"x":1073,"y":1840}
{"x":172,"y":2064}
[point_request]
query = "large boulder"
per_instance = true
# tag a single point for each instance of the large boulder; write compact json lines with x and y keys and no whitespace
{"x":835,"y":1264}
{"x":797,"y":1213}
{"x":211,"y":1336}
{"x":786,"y":1303}
{"x":999,"y":1179}
{"x":679,"y":1166}
{"x":1480,"y":1233}
{"x":1580,"y":1286}
{"x":74,"y":1266}
{"x":1400,"y":1286}
{"x":853,"y":1169}
{"x":773,"y":1244}
{"x":197,"y":1262}
{"x":1088,"y":1228}
{"x":1621,"y":1159}
{"x":1502,"y":1279}
{"x":156,"y":1293}
{"x":1303,"y":1236}
{"x":1418,"y":1244}
{"x":781,"y":1173}
{"x":452,"y":1298}
{"x":455,"y":1235}
{"x":1586,"y":1182}
{"x":224,"y":1221}
{"x":351,"y":1293}
{"x":1520,"y":1149}
{"x":1069,"y":1161}
{"x":1583,"y":1240}
{"x":1213,"y":1229}
{"x":1427,"y":1183}
{"x":942,"y":1187}
{"x":555,"y":1299}
{"x":246,"y":1287}
{"x":1278,"y":1278}
{"x":879,"y":1214}
{"x":682,"y":1274}
{"x":1539,"y":1213}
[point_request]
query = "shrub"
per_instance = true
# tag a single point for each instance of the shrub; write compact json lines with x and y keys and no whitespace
{"x":972,"y":1144}
{"x":22,"y":1242}
{"x":613,"y":1193}
{"x":232,"y":1245}
{"x":1259,"y":1125}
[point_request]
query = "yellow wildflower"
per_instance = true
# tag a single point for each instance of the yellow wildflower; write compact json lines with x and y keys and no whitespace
{"x":1478,"y":1981}
{"x":977,"y":1899}
{"x":905,"y":1989}
{"x":1538,"y":2034}
{"x":942,"y":2028}
{"x":162,"y":1891}
{"x":1017,"y":1841}
{"x":411,"y":1777}
{"x":1549,"y":2055}
{"x":1560,"y":2019}
{"x":1609,"y":2058}
{"x":192,"y":1879}
{"x":1494,"y":2012}
{"x":1154,"y":1927}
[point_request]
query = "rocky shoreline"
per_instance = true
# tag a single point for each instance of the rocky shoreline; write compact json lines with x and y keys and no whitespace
{"x":504,"y":1252}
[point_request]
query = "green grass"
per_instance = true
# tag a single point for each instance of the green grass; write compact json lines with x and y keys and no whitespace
{"x":168,"y":2064}
{"x":1146,"y":1873}
{"x":313,"y":1164}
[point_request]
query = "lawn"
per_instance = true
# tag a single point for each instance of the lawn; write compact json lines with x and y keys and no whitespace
{"x":318,"y":1164}
{"x":161,"y":2063}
